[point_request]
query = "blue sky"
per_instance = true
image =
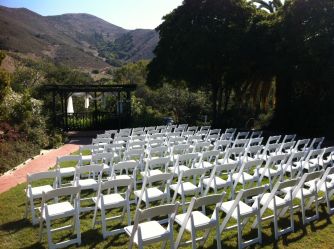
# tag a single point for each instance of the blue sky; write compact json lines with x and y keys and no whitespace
{"x":129,"y":14}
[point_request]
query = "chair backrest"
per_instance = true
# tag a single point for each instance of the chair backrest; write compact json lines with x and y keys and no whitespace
{"x":255,"y":141}
{"x":175,"y":140}
{"x":295,"y":157}
{"x":192,"y":128}
{"x":201,"y":146}
{"x":246,"y":166}
{"x":134,"y":154}
{"x":235,"y":153}
{"x":215,"y":132}
{"x":179,"y":149}
{"x":211,"y":155}
{"x":69,"y":158}
{"x":162,"y":210}
{"x":136,"y":145}
{"x":149,"y":128}
{"x":289,"y":138}
{"x":313,"y":154}
{"x":194,"y":138}
{"x":52,"y":174}
{"x":194,"y":173}
{"x":161,"y":162}
{"x":105,"y":135}
{"x":124,"y":166}
{"x":117,"y":148}
{"x":240,"y":143}
{"x":253,"y":151}
{"x":205,"y":128}
{"x":256,"y":134}
{"x":159,"y":151}
{"x":92,"y":148}
{"x":286,"y":147}
{"x":306,"y":178}
{"x":101,"y":140}
{"x":301,"y":145}
{"x":222,"y":145}
{"x":187,"y":133}
{"x":115,"y":183}
{"x":316,"y":143}
{"x":92,"y":169}
{"x":273,"y":139}
{"x":208,"y":200}
{"x":159,"y":127}
{"x":188,"y":159}
{"x":183,"y":126}
{"x":246,"y":193}
{"x":242,"y":135}
{"x":164,"y":177}
{"x":66,"y":191}
{"x":104,"y":157}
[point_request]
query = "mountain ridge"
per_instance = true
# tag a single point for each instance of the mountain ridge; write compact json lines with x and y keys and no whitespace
{"x":75,"y":39}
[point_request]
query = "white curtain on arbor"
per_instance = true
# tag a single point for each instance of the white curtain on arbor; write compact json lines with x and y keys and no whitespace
{"x":70,"y":109}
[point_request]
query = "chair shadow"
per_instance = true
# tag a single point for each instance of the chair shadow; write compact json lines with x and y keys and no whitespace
{"x":15,"y":226}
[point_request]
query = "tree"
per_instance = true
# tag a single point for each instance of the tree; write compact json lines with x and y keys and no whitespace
{"x":200,"y":42}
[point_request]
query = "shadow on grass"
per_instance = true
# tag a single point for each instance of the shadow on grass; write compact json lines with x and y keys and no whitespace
{"x":15,"y":226}
{"x":36,"y":245}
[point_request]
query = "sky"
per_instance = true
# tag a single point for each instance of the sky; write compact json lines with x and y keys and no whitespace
{"x":128,"y":14}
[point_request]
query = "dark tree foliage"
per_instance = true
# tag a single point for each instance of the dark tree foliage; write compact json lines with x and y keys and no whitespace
{"x":201,"y":42}
{"x":305,"y":67}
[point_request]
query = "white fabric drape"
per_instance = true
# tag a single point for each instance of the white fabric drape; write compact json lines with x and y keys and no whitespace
{"x":70,"y":109}
{"x":86,"y":101}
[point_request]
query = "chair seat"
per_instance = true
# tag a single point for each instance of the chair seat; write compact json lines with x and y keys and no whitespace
{"x":203,"y":164}
{"x":58,"y":210}
{"x":310,"y":166}
{"x":245,"y":210}
{"x":150,"y":231}
{"x":200,"y":220}
{"x":67,"y":171}
{"x":153,"y":194}
{"x":246,"y":177}
{"x":220,"y":183}
{"x":178,"y":169}
{"x":152,"y":172}
{"x":86,"y":158}
{"x":37,"y":191}
{"x":270,"y":172}
{"x":87,"y":184}
{"x":111,"y":201}
{"x":289,"y":168}
{"x":280,"y":202}
{"x":223,"y":160}
{"x":188,"y":188}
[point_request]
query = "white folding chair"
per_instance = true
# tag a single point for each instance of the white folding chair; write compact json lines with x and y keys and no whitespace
{"x":113,"y":199}
{"x":35,"y":192}
{"x":248,"y":174}
{"x":240,"y":143}
{"x":270,"y":150}
{"x":241,"y":212}
{"x":302,"y":193}
{"x":242,"y":135}
{"x":325,"y":185}
{"x":87,"y":178}
{"x":194,"y":220}
{"x":200,"y":147}
{"x":252,"y":153}
{"x":189,"y":183}
{"x":312,"y":160}
{"x":183,"y":163}
{"x":316,"y":143}
{"x":327,"y":157}
{"x":154,"y":188}
{"x":135,"y":155}
{"x":255,"y":141}
{"x":156,"y":166}
{"x":301,"y":145}
{"x":289,"y":138}
{"x":286,"y":148}
{"x":273,"y":169}
{"x":192,"y":128}
{"x":275,"y":201}
{"x":125,"y":170}
{"x":293,"y":165}
{"x":232,"y":155}
{"x":273,"y":140}
{"x":178,"y":149}
{"x":91,"y":149}
{"x":104,"y":158}
{"x":60,"y":210}
{"x":67,"y":171}
{"x":208,"y":159}
{"x":152,"y":231}
{"x":255,"y":134}
{"x":220,"y":177}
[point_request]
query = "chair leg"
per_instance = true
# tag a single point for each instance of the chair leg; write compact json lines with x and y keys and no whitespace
{"x":128,"y":213}
{"x":276,"y":224}
{"x":103,"y":222}
{"x":77,"y":226}
{"x":239,"y":235}
{"x":48,"y":227}
{"x":193,"y":239}
{"x":40,"y":229}
{"x":27,"y":207}
{"x":259,"y":226}
{"x":94,"y":217}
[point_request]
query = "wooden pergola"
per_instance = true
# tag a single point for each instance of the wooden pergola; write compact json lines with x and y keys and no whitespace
{"x":94,"y":119}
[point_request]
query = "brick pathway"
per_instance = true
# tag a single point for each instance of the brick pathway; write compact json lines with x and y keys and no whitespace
{"x":40,"y":163}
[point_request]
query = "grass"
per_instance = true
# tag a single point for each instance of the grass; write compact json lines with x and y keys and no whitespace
{"x":17,"y":232}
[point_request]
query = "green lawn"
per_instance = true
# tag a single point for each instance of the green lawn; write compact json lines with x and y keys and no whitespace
{"x":17,"y":232}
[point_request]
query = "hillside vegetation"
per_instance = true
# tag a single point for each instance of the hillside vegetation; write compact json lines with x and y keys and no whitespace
{"x":77,"y":40}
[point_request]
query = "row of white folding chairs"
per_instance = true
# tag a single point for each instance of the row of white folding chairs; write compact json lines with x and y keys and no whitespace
{"x":309,"y":179}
